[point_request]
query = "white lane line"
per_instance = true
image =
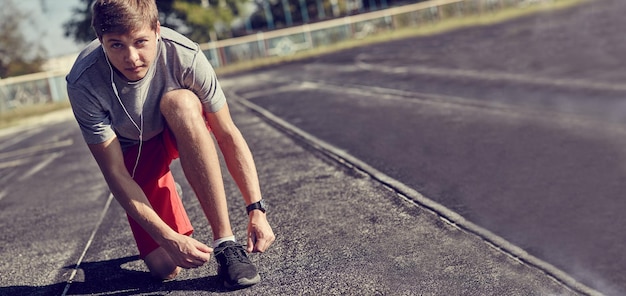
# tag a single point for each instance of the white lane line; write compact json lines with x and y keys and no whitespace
{"x":489,"y":75}
{"x":40,"y":166}
{"x":14,"y":163}
{"x":414,"y":196}
{"x":36,"y":148}
{"x":505,"y":109}
{"x":17,"y":138}
{"x":3,"y":193}
{"x":89,"y":242}
{"x":273,"y":91}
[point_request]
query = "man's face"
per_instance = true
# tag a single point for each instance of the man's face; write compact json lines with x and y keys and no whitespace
{"x":132,"y":53}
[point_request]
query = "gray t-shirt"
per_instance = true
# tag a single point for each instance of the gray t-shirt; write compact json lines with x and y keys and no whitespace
{"x":180,"y":64}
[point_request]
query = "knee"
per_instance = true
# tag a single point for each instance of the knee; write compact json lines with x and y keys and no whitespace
{"x":164,"y":275}
{"x":161,"y":266}
{"x":180,"y":103}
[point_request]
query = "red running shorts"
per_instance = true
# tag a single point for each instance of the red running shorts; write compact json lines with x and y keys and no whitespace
{"x":155,"y":179}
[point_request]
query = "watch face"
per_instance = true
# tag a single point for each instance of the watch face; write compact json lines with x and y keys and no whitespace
{"x":262,"y":204}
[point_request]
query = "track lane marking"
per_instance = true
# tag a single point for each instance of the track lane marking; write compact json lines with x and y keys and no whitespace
{"x":36,"y":148}
{"x":40,"y":166}
{"x":489,"y":76}
{"x":13,"y":163}
{"x":442,"y":100}
{"x":17,"y":138}
{"x":70,"y":280}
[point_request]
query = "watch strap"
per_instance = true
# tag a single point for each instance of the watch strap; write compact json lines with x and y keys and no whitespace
{"x":259,"y":205}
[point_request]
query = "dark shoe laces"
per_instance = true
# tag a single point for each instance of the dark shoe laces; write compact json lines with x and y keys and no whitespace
{"x":232,"y":253}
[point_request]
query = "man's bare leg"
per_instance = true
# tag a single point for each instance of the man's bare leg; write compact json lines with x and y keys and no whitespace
{"x":198,"y":156}
{"x":199,"y":159}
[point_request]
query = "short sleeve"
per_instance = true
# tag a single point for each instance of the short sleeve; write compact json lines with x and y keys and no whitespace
{"x":93,"y":120}
{"x":202,"y":80}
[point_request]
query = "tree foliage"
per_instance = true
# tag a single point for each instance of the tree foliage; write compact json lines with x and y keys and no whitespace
{"x":314,"y":10}
{"x":194,"y":18}
{"x":206,"y":20}
{"x":203,"y":17}
{"x":284,"y":13}
{"x":18,"y":56}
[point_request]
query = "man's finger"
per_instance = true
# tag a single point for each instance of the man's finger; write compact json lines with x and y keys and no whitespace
{"x":204,"y":251}
{"x":251,"y":242}
{"x":263,"y":244}
{"x":259,"y":246}
{"x":199,"y":258}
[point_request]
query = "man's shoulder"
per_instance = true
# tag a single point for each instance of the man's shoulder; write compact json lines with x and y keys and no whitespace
{"x":85,"y":61}
{"x":178,"y":39}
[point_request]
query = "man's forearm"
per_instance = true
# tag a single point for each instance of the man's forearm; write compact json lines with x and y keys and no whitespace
{"x":110,"y":159}
{"x":241,"y":166}
{"x":136,"y":204}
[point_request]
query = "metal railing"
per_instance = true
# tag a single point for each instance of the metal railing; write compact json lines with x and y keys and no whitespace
{"x":47,"y":87}
{"x":32,"y":89}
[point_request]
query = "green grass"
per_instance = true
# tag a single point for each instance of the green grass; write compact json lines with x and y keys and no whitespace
{"x":16,"y":116}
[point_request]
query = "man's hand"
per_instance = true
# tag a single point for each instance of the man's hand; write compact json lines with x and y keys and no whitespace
{"x":187,"y":252}
{"x":260,"y":234}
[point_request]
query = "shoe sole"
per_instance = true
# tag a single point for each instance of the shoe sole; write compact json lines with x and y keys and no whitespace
{"x":242,"y":283}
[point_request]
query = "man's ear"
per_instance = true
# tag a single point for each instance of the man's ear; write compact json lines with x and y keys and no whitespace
{"x":158,"y":32}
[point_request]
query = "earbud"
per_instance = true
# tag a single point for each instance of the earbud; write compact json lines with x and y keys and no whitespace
{"x":157,"y":39}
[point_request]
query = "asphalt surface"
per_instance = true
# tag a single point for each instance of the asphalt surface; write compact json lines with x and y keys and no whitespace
{"x":516,"y":127}
{"x":507,"y":107}
{"x":339,"y":231}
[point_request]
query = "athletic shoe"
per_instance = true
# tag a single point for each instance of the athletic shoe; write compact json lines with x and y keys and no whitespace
{"x":234,"y":267}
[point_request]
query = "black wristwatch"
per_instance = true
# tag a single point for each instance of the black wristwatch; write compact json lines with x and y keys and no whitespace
{"x":259,"y":205}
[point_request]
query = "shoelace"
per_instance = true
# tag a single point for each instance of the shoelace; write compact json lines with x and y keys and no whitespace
{"x":232,"y":253}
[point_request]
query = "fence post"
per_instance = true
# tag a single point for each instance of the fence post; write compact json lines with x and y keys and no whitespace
{"x":52,"y":88}
{"x":4,"y":97}
{"x":307,"y":35}
{"x":262,"y":44}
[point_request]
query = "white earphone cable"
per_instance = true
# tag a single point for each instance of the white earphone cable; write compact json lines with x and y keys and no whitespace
{"x":138,"y":127}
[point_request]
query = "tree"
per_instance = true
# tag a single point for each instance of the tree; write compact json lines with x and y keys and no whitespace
{"x":194,"y":18}
{"x":271,"y":14}
{"x":17,"y":55}
{"x":285,"y":13}
{"x":201,"y":18}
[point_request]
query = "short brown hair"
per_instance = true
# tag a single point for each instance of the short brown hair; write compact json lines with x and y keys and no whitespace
{"x":123,"y":16}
